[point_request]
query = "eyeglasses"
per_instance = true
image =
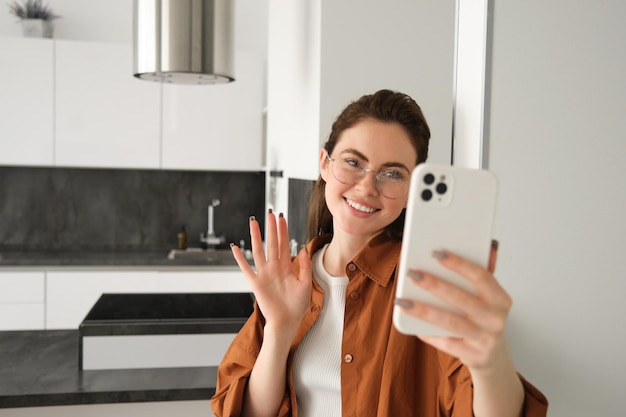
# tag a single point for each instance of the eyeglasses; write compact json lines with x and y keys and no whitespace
{"x":391,"y":182}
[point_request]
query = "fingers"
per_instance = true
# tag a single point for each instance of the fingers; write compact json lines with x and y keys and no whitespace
{"x":284,"y":252}
{"x":241,"y":261}
{"x":271,"y":242}
{"x":277,"y":242}
{"x":478,"y":319}
{"x":470,"y":308}
{"x":482,"y":280}
{"x":493,"y":256}
{"x":487,"y":287}
{"x":306,"y":268}
{"x":455,"y":322}
{"x":277,"y":237}
{"x":457,"y":347}
{"x":258,"y":254}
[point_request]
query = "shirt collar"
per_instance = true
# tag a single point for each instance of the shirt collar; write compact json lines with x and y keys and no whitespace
{"x":377,"y":259}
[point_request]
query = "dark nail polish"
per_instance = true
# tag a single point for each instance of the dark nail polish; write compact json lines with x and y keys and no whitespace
{"x":439,"y":254}
{"x":270,"y":211}
{"x":280,"y":215}
{"x":495,"y":244}
{"x":403,"y":302}
{"x":416,"y":275}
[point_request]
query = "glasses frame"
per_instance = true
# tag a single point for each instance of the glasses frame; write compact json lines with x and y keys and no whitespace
{"x":377,"y":174}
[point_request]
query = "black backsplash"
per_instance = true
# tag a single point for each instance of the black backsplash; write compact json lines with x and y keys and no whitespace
{"x":111,"y":209}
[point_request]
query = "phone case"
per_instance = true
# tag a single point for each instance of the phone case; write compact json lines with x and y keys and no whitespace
{"x":448,"y":208}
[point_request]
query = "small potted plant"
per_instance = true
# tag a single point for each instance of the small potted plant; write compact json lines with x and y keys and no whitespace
{"x":35,"y":16}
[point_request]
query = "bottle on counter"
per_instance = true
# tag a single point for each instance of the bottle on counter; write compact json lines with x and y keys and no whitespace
{"x":182,"y":238}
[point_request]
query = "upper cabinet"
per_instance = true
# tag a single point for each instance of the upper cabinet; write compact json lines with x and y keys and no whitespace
{"x":216,"y":127}
{"x":26,"y":101}
{"x":76,"y":104}
{"x":105,"y":117}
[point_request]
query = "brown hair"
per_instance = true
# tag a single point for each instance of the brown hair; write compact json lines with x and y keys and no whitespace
{"x":385,"y":106}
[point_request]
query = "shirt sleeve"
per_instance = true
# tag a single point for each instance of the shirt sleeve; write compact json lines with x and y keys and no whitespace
{"x":235,"y":367}
{"x":456,"y":392}
{"x":535,"y":403}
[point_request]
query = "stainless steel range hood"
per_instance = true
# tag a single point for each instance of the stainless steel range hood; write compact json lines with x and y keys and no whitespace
{"x":184,"y":41}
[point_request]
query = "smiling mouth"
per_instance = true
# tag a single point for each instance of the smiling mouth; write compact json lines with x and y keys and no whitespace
{"x":360,"y":207}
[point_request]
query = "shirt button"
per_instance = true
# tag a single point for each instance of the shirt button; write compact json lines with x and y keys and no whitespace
{"x":351,"y":267}
{"x":347,"y":358}
{"x":315,"y":308}
{"x":354,"y":295}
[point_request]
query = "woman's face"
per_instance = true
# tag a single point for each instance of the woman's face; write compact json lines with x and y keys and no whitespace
{"x":360,"y":209}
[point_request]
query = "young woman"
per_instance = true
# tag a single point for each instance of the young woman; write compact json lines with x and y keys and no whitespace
{"x":321,"y":341}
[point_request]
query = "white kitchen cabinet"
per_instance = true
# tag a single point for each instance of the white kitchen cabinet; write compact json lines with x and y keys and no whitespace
{"x":76,"y":104}
{"x":216,"y":127}
{"x":104,"y":116}
{"x":71,"y":294}
{"x":22,"y":300}
{"x":203,"y":281}
{"x":26,"y":101}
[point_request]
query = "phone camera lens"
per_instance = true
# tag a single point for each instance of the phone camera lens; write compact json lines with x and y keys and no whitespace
{"x":441,"y":188}
{"x":427,"y":195}
{"x":429,"y":179}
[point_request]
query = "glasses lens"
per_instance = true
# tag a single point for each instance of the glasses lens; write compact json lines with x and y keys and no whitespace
{"x":391,"y":183}
{"x":344,"y":172}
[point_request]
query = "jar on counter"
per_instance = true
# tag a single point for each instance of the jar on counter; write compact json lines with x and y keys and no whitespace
{"x":182,"y":238}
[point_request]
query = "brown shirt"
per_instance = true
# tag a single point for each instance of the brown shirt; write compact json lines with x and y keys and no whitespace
{"x":384,"y":373}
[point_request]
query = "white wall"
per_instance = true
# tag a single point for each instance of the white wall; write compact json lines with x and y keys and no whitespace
{"x":91,"y":20}
{"x":112,"y":21}
{"x":324,"y":54}
{"x":405,"y":45}
{"x":558,"y":145}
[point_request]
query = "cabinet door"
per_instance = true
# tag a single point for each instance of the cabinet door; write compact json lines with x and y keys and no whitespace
{"x":22,"y":300}
{"x":216,"y":127}
{"x":71,"y":294}
{"x":203,"y":281}
{"x":105,"y":117}
{"x":26,"y":101}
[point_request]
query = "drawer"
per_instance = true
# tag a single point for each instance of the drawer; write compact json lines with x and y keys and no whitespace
{"x":22,"y":316}
{"x":22,"y":287}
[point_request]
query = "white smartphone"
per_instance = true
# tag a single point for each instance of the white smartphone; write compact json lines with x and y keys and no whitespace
{"x":448,"y":208}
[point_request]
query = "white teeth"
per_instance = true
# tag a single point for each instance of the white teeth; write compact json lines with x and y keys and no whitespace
{"x":359,"y":207}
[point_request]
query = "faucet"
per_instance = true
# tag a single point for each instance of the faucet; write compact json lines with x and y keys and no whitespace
{"x":209,"y":237}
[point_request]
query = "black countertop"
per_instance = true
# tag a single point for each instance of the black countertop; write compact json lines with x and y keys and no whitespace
{"x":167,"y":313}
{"x":40,"y":368}
{"x":147,"y":258}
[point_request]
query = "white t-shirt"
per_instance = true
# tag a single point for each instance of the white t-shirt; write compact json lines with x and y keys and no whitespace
{"x":317,"y":364}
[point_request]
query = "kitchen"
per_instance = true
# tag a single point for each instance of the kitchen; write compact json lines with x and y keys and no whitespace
{"x":545,"y":340}
{"x":83,"y":186}
{"x":101,"y":191}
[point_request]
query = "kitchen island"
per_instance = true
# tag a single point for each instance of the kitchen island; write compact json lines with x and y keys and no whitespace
{"x":43,"y":372}
{"x":40,"y":369}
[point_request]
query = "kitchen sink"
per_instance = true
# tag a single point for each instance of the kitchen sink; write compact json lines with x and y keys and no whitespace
{"x":218,"y":256}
